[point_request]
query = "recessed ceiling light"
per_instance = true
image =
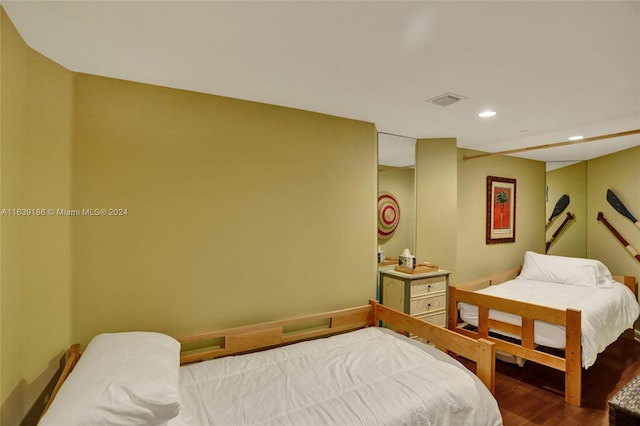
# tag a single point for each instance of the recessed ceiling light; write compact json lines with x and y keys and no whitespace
{"x":487,"y":114}
{"x":576,"y":138}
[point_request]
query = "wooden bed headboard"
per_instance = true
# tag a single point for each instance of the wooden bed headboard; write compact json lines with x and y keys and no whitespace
{"x":265,"y":335}
{"x":493,"y":279}
{"x":478,"y":283}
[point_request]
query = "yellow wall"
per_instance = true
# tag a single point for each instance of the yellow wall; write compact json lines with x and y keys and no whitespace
{"x":620,"y":173}
{"x":236,"y":211}
{"x":572,"y":240}
{"x":36,"y":251}
{"x":475,"y":257}
{"x":400,"y":183}
{"x":436,"y":202}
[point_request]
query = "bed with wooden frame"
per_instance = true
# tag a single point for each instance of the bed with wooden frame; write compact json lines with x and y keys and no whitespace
{"x":524,"y":347}
{"x":275,"y":334}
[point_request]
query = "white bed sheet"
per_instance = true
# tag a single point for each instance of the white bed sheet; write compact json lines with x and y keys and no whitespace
{"x":606,"y":312}
{"x":368,"y":377}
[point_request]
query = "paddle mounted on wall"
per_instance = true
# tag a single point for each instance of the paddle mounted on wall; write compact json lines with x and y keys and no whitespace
{"x":624,"y":242}
{"x":615,"y":202}
{"x":564,"y":223}
{"x":561,"y":204}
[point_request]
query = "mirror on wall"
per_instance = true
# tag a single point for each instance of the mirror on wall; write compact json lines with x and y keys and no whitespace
{"x":396,"y":194}
{"x":566,"y":206}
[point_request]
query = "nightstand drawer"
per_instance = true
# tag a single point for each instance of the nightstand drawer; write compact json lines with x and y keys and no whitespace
{"x":428,"y":285}
{"x":438,"y":318}
{"x":426,"y":304}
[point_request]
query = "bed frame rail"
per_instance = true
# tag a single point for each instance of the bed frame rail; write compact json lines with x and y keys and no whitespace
{"x":275,"y":333}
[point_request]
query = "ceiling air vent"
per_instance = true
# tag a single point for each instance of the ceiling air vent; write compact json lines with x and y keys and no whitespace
{"x":446,"y":99}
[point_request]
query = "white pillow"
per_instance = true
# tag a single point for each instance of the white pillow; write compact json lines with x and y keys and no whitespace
{"x":565,"y":270}
{"x":121,"y":379}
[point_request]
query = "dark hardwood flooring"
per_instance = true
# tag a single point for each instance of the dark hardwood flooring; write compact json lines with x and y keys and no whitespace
{"x":534,"y":394}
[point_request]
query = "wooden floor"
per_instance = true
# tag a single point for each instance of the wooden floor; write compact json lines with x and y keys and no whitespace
{"x":534,"y":394}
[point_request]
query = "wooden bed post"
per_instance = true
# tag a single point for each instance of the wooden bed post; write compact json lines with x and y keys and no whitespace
{"x":373,"y":313}
{"x":629,"y":281}
{"x":72,"y":359}
{"x":452,"y":320}
{"x":486,"y":364}
{"x":573,"y":356}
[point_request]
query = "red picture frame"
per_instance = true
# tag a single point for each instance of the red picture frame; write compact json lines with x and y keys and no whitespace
{"x":501,"y":210}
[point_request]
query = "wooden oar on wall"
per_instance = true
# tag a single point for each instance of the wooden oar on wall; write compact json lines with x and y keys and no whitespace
{"x":554,"y":145}
{"x":624,"y":242}
{"x":559,"y":230}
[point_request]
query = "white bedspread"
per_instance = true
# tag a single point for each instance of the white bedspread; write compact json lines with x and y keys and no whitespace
{"x":606,"y":312}
{"x":366,"y":377}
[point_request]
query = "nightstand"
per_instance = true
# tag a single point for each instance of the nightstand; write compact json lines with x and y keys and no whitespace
{"x":424,"y":296}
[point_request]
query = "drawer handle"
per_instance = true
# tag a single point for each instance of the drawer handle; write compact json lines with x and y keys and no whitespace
{"x":429,"y":287}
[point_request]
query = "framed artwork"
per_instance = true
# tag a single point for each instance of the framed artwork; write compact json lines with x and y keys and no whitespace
{"x":501,"y":210}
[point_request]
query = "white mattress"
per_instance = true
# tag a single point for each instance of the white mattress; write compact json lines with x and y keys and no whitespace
{"x":606,"y":312}
{"x":370,"y":376}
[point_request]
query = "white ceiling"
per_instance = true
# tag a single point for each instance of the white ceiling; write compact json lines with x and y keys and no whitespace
{"x":550,"y":69}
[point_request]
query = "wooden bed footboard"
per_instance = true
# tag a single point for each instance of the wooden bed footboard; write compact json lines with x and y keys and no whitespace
{"x":570,"y":319}
{"x":481,"y":351}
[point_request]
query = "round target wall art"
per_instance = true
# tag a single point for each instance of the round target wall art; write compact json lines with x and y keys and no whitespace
{"x":388,"y":215}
